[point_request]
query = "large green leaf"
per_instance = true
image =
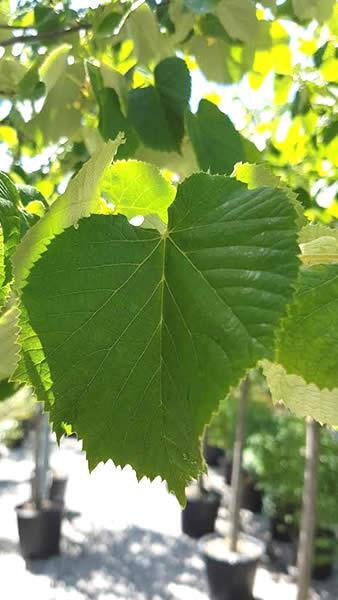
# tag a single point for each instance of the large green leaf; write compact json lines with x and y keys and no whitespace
{"x":217,"y":144}
{"x":80,"y":199}
{"x":303,"y":399}
{"x":144,"y":333}
{"x":308,"y":341}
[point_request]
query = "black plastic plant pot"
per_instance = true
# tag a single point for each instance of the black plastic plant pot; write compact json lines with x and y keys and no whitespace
{"x":231,"y":575}
{"x":39,"y":530}
{"x":280,"y":530}
{"x":58,"y":489}
{"x":325,"y":546}
{"x":213,"y":455}
{"x":252,"y":497}
{"x":200,"y":514}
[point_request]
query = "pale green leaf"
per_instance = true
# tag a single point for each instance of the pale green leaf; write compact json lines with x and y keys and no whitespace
{"x":80,"y":199}
{"x":11,"y":72}
{"x":184,"y":164}
{"x":144,"y":333}
{"x":308,"y":340}
{"x":54,"y":66}
{"x":238,"y":18}
{"x":9,"y":348}
{"x":313,"y":9}
{"x":144,"y":30}
{"x":303,"y":399}
{"x":59,"y":116}
{"x":217,"y":144}
{"x":318,"y":244}
{"x":211,"y":56}
{"x":137,"y":188}
{"x":183,"y":20}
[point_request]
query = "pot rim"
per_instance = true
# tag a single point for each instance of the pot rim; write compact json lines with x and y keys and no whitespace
{"x":27,"y":508}
{"x":241,"y":557}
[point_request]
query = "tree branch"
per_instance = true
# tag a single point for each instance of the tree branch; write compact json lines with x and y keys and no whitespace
{"x":44,"y":35}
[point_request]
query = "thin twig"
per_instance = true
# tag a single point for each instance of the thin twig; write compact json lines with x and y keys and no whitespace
{"x":44,"y":35}
{"x":16,"y":27}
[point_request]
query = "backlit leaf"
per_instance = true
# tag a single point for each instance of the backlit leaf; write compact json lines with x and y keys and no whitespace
{"x":138,"y":364}
{"x":217,"y":144}
{"x":307,"y":344}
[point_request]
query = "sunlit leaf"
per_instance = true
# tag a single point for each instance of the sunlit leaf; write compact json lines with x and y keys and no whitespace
{"x":137,"y":363}
{"x":303,"y":399}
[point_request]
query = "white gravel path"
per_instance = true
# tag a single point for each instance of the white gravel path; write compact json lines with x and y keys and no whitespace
{"x":121,"y":539}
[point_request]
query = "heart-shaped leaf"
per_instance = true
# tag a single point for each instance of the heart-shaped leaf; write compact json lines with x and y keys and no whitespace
{"x":145,"y":333}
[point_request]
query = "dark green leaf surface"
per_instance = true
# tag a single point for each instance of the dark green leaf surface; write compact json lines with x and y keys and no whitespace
{"x":145,"y":333}
{"x":308,"y":343}
{"x":157,"y":112}
{"x":217,"y":144}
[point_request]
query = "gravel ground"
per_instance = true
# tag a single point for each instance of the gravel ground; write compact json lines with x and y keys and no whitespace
{"x":121,"y":539}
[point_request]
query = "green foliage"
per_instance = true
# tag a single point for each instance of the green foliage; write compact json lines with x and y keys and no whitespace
{"x":157,"y":112}
{"x":216,"y":142}
{"x":143,"y":365}
{"x":313,"y":315}
{"x":278,"y":456}
{"x":259,"y":417}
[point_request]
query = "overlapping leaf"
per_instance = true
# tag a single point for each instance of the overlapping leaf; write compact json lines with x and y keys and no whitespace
{"x":137,"y":188}
{"x":157,"y":112}
{"x":303,"y":399}
{"x":144,"y":333}
{"x":308,"y":341}
{"x":80,"y":200}
{"x":217,"y":144}
{"x":9,"y":221}
{"x":111,"y":118}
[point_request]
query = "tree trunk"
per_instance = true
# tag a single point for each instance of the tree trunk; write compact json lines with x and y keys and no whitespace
{"x":308,"y":521}
{"x":40,"y":480}
{"x":236,"y":475}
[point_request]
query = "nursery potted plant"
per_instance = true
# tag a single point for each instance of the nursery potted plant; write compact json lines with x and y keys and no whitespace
{"x":275,"y":457}
{"x":39,"y":519}
{"x":278,"y":457}
{"x":231,"y":562}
